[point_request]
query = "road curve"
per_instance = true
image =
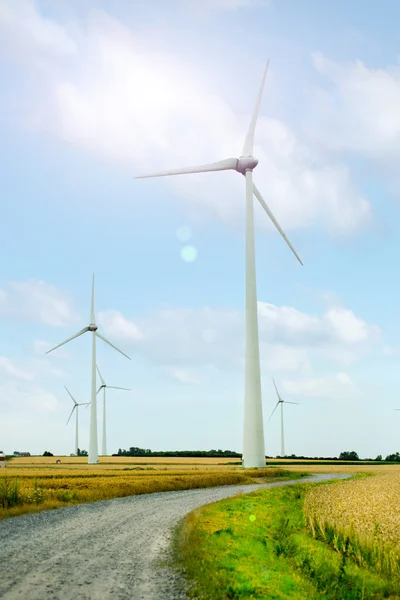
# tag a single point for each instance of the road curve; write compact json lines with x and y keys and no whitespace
{"x":106,"y":550}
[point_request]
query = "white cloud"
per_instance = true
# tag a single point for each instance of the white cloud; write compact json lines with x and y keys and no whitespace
{"x":36,"y":301}
{"x":185,"y":376}
{"x":224,"y":4}
{"x":281,"y":357}
{"x":108,"y":92}
{"x":9,"y":368}
{"x":390,"y":351}
{"x":356,"y":109}
{"x":336,"y":325}
{"x":19,"y":397}
{"x":27,"y":369}
{"x":117,"y":326}
{"x":290,"y":340}
{"x":332,"y":387}
{"x":24,"y":28}
{"x":348,"y":327}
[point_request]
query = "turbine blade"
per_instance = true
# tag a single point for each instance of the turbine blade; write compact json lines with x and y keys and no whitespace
{"x":275,"y":222}
{"x":69,"y":418}
{"x":276,"y":406}
{"x":221,"y":165}
{"x":73,"y":399}
{"x":101,"y":379}
{"x":92,"y":316}
{"x":276,"y":389}
{"x":114,"y":387}
{"x":249,"y":141}
{"x":110,"y":344}
{"x":81,"y":332}
{"x":99,"y":389}
{"x":287,"y":402}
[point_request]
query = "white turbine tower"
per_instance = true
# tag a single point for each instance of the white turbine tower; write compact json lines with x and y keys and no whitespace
{"x":93,"y":457}
{"x":103,"y":387}
{"x":76,"y":404}
{"x":253,"y":438}
{"x":281,"y":402}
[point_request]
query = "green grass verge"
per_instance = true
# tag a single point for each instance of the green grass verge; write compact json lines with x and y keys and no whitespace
{"x":257,"y":546}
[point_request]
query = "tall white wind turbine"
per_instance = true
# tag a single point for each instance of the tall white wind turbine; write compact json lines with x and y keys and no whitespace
{"x":253,"y":431}
{"x":281,"y":402}
{"x":93,"y":457}
{"x":76,"y":404}
{"x":103,"y":387}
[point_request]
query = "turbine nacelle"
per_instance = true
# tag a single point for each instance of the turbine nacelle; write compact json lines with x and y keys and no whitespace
{"x":246,"y":163}
{"x":92,"y":327}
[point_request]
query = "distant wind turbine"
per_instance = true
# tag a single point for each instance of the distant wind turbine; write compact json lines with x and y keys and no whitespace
{"x":76,"y":404}
{"x":103,"y":387}
{"x":253,"y":430}
{"x":281,"y":402}
{"x":93,"y":457}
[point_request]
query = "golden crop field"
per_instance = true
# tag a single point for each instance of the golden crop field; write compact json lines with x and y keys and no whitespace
{"x":333,"y":468}
{"x":119,"y":460}
{"x":364,"y":511}
{"x":28,"y":487}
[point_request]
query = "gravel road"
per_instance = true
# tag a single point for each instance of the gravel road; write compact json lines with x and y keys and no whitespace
{"x":106,"y":550}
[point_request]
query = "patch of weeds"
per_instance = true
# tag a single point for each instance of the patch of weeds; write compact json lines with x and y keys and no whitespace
{"x":69,"y":496}
{"x":10,"y":493}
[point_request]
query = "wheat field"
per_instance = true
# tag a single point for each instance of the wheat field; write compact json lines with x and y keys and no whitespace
{"x":363,"y":514}
{"x":30,"y":484}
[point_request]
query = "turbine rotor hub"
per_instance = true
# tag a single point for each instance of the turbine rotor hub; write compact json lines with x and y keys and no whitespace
{"x":93,"y":327}
{"x":246,"y":163}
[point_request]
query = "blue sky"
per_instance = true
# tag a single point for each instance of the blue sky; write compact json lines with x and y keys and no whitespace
{"x":95,"y":92}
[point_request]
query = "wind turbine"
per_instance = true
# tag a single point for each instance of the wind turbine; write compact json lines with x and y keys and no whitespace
{"x":103,"y":387}
{"x":93,"y":457}
{"x":253,"y":431}
{"x":76,"y":404}
{"x":281,"y":402}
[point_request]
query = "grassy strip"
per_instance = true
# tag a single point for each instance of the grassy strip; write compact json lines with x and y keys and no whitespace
{"x":257,"y":546}
{"x":20,"y":496}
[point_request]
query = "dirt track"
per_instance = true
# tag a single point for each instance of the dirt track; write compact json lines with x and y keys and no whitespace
{"x":104,"y":550}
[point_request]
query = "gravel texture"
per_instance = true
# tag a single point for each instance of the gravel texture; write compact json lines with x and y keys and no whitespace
{"x":109,"y":549}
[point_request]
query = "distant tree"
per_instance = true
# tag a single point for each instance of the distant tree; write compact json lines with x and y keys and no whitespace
{"x":82,"y":452}
{"x":379,"y":457}
{"x":349,"y":455}
{"x":47,"y":453}
{"x":393,"y":457}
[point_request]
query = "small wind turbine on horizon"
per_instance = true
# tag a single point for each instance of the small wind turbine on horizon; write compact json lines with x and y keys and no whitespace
{"x":103,"y":387}
{"x":281,"y":402}
{"x":76,"y":404}
{"x":93,"y":457}
{"x":253,"y":430}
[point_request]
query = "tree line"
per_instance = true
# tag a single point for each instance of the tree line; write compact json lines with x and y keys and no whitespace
{"x":133,"y":451}
{"x":346,"y":455}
